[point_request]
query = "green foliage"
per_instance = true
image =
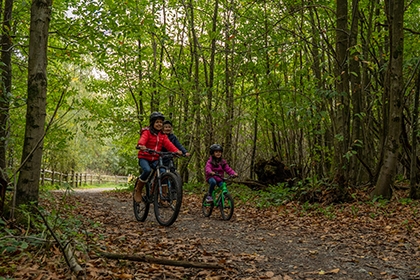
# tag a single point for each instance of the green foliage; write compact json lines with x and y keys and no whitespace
{"x":275,"y":195}
{"x":111,"y":63}
{"x":17,"y":243}
{"x":328,"y":211}
{"x":194,"y":188}
{"x":9,"y":244}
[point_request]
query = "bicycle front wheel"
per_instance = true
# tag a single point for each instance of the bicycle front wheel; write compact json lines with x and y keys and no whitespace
{"x":141,"y":209}
{"x":226,"y":206}
{"x":207,"y":207}
{"x":168,"y":200}
{"x":179,"y":178}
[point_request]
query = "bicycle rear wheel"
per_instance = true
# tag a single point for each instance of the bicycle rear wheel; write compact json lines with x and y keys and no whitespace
{"x":141,"y":209}
{"x":207,"y":207}
{"x":226,"y":206}
{"x":167,"y":203}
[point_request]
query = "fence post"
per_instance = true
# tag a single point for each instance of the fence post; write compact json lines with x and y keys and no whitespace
{"x":52,"y":177}
{"x":42,"y":176}
{"x":73,"y":179}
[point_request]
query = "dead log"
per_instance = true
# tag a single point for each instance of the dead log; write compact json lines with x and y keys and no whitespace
{"x":252,"y":184}
{"x":149,"y":259}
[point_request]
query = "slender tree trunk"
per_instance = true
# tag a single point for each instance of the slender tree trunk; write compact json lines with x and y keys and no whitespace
{"x":369,"y":128}
{"x":28,"y":182}
{"x":154,"y":99}
{"x":229,"y":39}
{"x":342,"y":87}
{"x":209,"y":138}
{"x":140,"y":105}
{"x":138,"y":100}
{"x":316,"y":150}
{"x":394,"y":89}
{"x":414,"y":183}
{"x":196,"y":97}
{"x":254,"y":136}
{"x":6,"y":85}
{"x":384,"y":109}
{"x":161,"y":55}
{"x":356,"y":93}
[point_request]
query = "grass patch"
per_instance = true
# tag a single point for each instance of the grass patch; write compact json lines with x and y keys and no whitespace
{"x":112,"y":186}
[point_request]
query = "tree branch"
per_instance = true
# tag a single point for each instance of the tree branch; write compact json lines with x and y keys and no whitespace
{"x":148,"y":259}
{"x":67,"y":250}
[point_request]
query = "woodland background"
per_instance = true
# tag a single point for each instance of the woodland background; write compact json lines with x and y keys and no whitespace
{"x":329,"y":88}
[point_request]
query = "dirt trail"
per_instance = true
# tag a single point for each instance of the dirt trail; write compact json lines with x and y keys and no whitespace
{"x":255,"y":244}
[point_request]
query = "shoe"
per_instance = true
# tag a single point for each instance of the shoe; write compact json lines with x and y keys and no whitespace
{"x":139,"y":188}
{"x":209,"y":198}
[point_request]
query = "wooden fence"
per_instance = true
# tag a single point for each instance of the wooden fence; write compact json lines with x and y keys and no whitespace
{"x":78,"y":179}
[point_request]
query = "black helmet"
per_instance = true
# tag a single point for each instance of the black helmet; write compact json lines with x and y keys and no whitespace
{"x":167,"y":122}
{"x":215,"y":147}
{"x":156,"y":115}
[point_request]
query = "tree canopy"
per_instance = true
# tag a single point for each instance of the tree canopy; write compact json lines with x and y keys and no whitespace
{"x":312,"y":83}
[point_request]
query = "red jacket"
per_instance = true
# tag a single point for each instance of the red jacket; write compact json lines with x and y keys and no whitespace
{"x":155,"y":142}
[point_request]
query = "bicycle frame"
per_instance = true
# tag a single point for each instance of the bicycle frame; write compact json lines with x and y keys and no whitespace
{"x":156,"y":175}
{"x":222,"y":199}
{"x":218,"y":194}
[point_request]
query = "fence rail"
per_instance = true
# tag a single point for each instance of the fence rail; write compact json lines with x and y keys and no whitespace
{"x":78,"y":179}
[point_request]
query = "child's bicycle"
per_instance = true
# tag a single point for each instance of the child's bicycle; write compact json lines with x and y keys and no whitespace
{"x":221,"y":198}
{"x":163,"y":190}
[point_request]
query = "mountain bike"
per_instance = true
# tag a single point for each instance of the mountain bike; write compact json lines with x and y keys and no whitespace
{"x":163,"y":189}
{"x":221,"y":198}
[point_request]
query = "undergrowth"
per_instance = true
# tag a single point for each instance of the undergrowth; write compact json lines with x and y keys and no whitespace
{"x":41,"y":232}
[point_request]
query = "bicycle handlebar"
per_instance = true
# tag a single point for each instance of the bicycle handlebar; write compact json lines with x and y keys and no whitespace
{"x":224,"y":178}
{"x":162,"y":154}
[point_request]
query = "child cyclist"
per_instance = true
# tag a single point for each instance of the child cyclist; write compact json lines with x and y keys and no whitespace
{"x":216,"y":164}
{"x":167,"y":129}
{"x":151,"y":137}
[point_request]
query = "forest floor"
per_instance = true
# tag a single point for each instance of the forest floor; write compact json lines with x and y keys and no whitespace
{"x":348,"y":241}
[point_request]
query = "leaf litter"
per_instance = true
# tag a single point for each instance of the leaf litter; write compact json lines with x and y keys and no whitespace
{"x":278,"y":243}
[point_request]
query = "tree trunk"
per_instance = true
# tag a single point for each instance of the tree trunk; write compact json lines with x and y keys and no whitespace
{"x":356,"y":94}
{"x":315,"y":148}
{"x":342,"y":88}
{"x":229,"y":31}
{"x":6,"y":85}
{"x":196,"y":96}
{"x":209,"y":119}
{"x":394,"y":89}
{"x":369,"y":127}
{"x":28,"y":182}
{"x":414,"y":183}
{"x":140,"y":105}
{"x":254,"y":136}
{"x":154,"y":99}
